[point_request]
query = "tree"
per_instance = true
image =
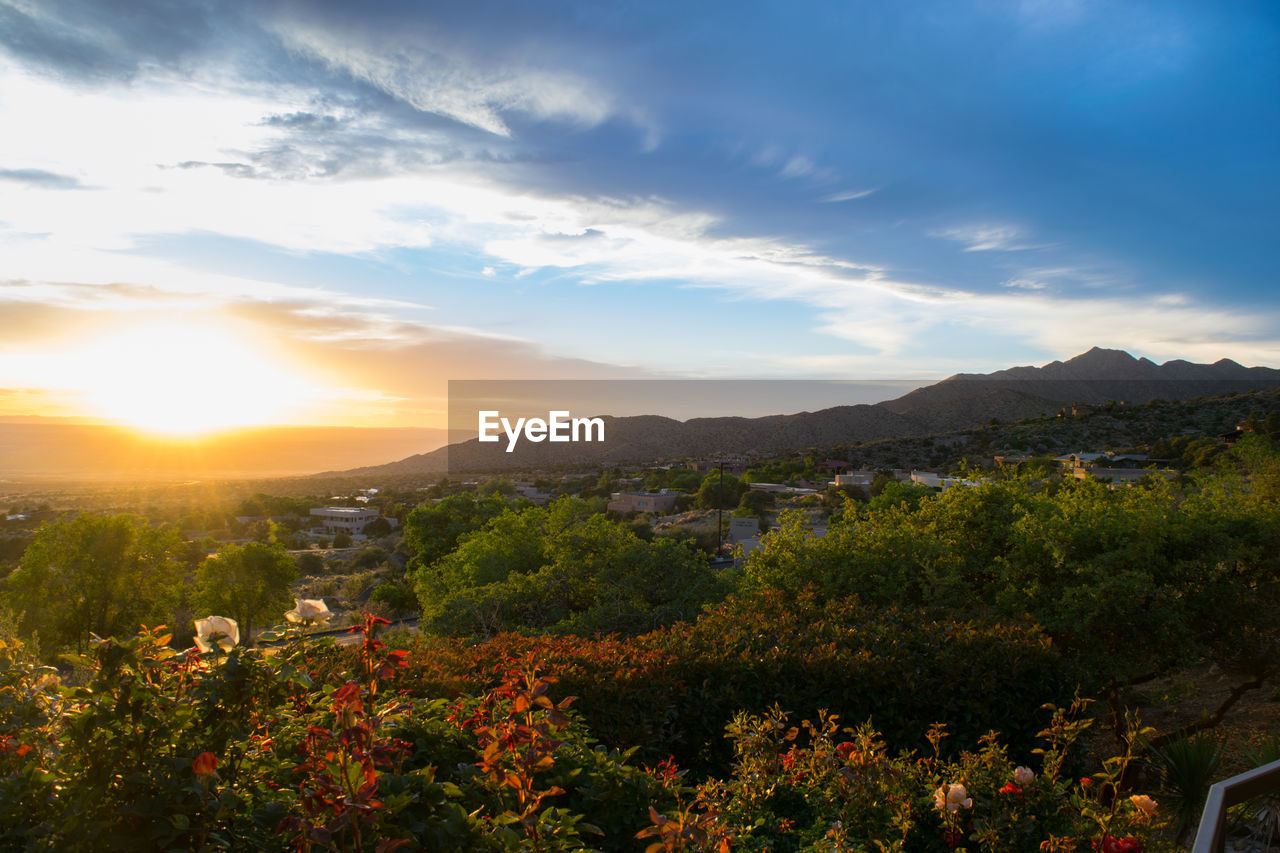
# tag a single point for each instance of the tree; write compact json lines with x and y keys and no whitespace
{"x":756,"y":503}
{"x":378,"y":527}
{"x":310,"y":563}
{"x":248,"y":583}
{"x":342,"y":539}
{"x":100,"y":574}
{"x":717,"y":494}
{"x":497,"y":486}
{"x":563,"y":569}
{"x":433,"y":530}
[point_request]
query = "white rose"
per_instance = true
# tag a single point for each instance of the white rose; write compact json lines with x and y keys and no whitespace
{"x":217,"y":629}
{"x":312,"y":610}
{"x":952,"y":798}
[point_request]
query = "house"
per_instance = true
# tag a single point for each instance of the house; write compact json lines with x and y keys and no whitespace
{"x":659,"y":502}
{"x":344,"y":519}
{"x":934,"y":480}
{"x":1121,"y":476}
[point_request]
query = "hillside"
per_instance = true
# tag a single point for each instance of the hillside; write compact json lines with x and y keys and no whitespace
{"x":960,"y":402}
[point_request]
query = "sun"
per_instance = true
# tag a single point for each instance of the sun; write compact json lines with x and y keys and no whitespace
{"x":186,"y":378}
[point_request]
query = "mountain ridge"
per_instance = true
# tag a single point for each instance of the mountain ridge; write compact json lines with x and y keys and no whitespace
{"x":961,"y":401}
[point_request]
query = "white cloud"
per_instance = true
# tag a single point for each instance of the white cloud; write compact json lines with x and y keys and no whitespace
{"x":126,"y":143}
{"x":847,"y":195}
{"x":987,"y":238}
{"x":797,"y":167}
{"x":435,"y":77}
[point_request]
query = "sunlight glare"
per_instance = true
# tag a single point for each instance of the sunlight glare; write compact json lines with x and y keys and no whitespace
{"x":184,"y":379}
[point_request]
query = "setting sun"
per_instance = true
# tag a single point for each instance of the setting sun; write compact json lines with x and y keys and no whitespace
{"x":183,"y":379}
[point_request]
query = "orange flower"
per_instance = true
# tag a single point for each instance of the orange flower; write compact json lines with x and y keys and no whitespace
{"x":205,"y":764}
{"x":1144,"y":804}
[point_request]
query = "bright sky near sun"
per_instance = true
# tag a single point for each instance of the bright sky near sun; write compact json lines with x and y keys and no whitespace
{"x":228,"y":213}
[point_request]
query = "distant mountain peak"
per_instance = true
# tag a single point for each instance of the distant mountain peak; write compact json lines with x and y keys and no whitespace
{"x":1098,"y":355}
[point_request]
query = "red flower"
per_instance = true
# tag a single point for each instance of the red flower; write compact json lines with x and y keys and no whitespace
{"x":1128,"y":844}
{"x":205,"y":764}
{"x":1011,"y":788}
{"x":844,"y":750}
{"x":1086,"y":782}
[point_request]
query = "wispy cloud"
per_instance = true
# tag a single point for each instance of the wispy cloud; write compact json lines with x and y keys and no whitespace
{"x":41,"y":178}
{"x":847,"y":195}
{"x":441,"y":79}
{"x":988,"y":238}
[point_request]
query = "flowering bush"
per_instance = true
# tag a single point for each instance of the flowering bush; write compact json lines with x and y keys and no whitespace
{"x":823,"y":786}
{"x":314,"y":748}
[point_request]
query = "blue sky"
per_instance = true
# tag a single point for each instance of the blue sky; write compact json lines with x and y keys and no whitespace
{"x":366,"y":200}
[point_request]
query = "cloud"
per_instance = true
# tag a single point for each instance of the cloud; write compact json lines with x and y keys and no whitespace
{"x":103,"y":40}
{"x":1024,"y":284}
{"x":848,"y":195}
{"x":361,"y":363}
{"x":434,"y":77}
{"x":797,"y":167}
{"x":988,"y":238}
{"x":41,"y":178}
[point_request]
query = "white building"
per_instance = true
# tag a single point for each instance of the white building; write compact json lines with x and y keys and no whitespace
{"x":343,"y":519}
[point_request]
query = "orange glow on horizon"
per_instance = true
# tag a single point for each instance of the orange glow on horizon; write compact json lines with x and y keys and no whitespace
{"x":184,"y":380}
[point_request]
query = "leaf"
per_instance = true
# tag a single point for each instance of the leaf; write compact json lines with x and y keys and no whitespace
{"x":386,"y":845}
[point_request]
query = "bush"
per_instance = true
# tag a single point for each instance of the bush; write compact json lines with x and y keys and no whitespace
{"x":672,"y":691}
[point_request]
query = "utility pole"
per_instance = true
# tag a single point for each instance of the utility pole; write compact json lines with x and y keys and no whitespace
{"x":719,"y":510}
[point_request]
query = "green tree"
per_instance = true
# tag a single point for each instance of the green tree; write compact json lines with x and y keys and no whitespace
{"x":497,"y":486}
{"x":433,"y":530}
{"x":310,"y":563}
{"x":342,"y":539}
{"x":720,"y":493}
{"x":100,"y":574}
{"x":378,"y":527}
{"x":563,"y":569}
{"x":756,"y":503}
{"x":249,"y":583}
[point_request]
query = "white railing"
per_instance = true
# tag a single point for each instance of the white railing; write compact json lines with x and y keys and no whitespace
{"x":1211,"y":836}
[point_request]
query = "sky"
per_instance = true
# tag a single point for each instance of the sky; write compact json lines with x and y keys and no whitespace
{"x":216,"y":213}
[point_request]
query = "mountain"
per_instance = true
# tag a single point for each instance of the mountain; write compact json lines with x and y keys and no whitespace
{"x":1094,"y":377}
{"x":958,"y":402}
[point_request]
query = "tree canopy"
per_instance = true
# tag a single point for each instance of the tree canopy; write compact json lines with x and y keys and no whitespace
{"x":249,"y":583}
{"x":563,"y":569}
{"x":99,"y":574}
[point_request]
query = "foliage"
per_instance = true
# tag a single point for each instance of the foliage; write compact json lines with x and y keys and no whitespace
{"x":433,"y":530}
{"x":317,"y":748}
{"x":672,"y":691}
{"x":562,"y":569}
{"x":106,"y":574}
{"x":819,"y":785}
{"x":378,"y":527}
{"x":720,"y":491}
{"x":1189,"y":766}
{"x":1126,"y":581}
{"x":248,"y":583}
